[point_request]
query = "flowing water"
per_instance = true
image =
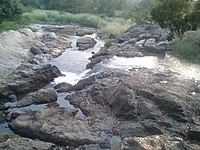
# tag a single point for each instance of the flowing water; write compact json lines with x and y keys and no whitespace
{"x":72,"y":64}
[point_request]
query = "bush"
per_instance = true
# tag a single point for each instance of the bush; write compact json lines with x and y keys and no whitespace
{"x":188,"y":47}
{"x":106,"y":24}
{"x":9,"y":25}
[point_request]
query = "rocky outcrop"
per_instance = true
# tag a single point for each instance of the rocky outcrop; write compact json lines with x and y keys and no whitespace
{"x":14,"y":48}
{"x":156,"y":142}
{"x":50,"y":46}
{"x":27,"y":78}
{"x":41,"y":96}
{"x":137,"y":41}
{"x":56,"y":125}
{"x":138,"y":104}
{"x":27,"y":144}
{"x":85,"y":43}
{"x":115,"y":50}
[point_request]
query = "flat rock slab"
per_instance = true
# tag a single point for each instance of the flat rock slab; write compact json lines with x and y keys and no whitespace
{"x":41,"y":96}
{"x":26,"y":144}
{"x":55,"y":125}
{"x":28,"y":77}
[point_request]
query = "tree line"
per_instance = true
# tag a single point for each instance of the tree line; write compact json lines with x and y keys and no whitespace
{"x":106,"y":7}
{"x":177,"y":15}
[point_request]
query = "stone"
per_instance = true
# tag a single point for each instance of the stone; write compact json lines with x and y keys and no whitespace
{"x":41,"y":96}
{"x":85,"y":43}
{"x":62,"y":87}
{"x":153,"y":142}
{"x":55,"y":125}
{"x":49,"y":46}
{"x":27,"y":144}
{"x":28,"y":77}
{"x":17,"y":50}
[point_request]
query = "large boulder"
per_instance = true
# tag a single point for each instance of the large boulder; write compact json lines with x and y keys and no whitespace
{"x":14,"y":49}
{"x":85,"y":43}
{"x":55,"y":125}
{"x":27,"y":78}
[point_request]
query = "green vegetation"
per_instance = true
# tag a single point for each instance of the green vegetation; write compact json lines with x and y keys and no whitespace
{"x":140,"y":13}
{"x":106,"y":7}
{"x":10,"y":12}
{"x":9,"y":25}
{"x":10,"y":9}
{"x":106,"y":24}
{"x":177,"y":15}
{"x":188,"y":47}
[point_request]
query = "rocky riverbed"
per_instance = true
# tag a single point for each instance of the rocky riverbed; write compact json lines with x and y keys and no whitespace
{"x":133,"y":95}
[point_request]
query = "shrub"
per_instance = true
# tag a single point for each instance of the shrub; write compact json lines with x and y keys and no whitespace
{"x":106,"y":24}
{"x":188,"y":47}
{"x":9,"y":25}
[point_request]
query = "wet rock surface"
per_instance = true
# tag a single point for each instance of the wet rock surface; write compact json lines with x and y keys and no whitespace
{"x":85,"y":43}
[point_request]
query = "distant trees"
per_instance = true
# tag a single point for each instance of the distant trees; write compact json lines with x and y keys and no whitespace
{"x":9,"y":10}
{"x":140,"y":12}
{"x":107,"y":7}
{"x":177,"y":15}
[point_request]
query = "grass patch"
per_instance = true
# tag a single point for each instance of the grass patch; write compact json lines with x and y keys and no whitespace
{"x":106,"y":24}
{"x":186,"y":50}
{"x":9,"y":25}
{"x":188,"y":47}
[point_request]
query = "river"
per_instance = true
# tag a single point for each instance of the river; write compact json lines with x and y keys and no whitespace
{"x":72,"y":64}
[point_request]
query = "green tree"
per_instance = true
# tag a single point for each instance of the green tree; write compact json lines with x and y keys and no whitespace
{"x":178,"y":16}
{"x":10,"y":9}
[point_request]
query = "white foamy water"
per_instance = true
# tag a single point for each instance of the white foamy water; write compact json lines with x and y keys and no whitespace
{"x":70,"y":77}
{"x":129,"y":63}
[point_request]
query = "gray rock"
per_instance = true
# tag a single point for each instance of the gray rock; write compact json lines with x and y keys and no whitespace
{"x":156,"y":142}
{"x":27,"y":78}
{"x":14,"y":49}
{"x":55,"y":125}
{"x":41,"y":96}
{"x":50,"y":46}
{"x":27,"y":144}
{"x":62,"y":87}
{"x":85,"y":43}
